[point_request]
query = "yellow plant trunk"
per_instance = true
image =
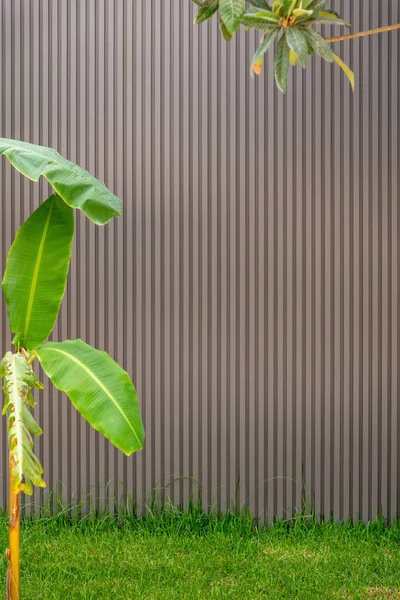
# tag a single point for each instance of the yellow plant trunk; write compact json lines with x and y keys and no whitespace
{"x":12,"y":553}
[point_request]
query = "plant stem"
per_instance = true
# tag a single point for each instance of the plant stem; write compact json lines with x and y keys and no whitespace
{"x":352,"y":36}
{"x":13,"y":554}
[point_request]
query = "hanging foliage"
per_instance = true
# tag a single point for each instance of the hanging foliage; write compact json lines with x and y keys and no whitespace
{"x":290,"y":23}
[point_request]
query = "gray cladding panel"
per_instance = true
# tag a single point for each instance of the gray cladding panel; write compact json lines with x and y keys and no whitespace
{"x":251,"y":287}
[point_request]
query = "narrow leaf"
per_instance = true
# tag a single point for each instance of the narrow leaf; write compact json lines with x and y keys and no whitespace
{"x":325,"y":18}
{"x":292,"y":6}
{"x":277,"y":5}
{"x":284,"y":8}
{"x":301,"y":12}
{"x":265,"y":15}
{"x":18,"y":378}
{"x":282,"y":61}
{"x":206,"y":12}
{"x":224,"y":31}
{"x":98,"y":388}
{"x":73,"y":184}
{"x":2,"y":368}
{"x":260,"y":23}
{"x":317,"y":5}
{"x":37,"y":270}
{"x":260,"y":4}
{"x":298,"y":43}
{"x":265,"y":44}
{"x":278,"y":8}
{"x":231,"y":11}
{"x":346,"y":69}
{"x":330,"y":11}
{"x":320,"y":46}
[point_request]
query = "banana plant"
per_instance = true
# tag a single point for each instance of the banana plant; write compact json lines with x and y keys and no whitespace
{"x":289,"y":22}
{"x":34,"y":284}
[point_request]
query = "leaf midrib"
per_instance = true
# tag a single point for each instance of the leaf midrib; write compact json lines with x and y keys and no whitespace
{"x":100,"y":384}
{"x":36,"y":274}
{"x":230,"y":5}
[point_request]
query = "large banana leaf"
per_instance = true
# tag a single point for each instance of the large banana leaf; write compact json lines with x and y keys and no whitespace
{"x":77,"y":187}
{"x":98,"y":388}
{"x":36,"y":272}
{"x":18,"y":379}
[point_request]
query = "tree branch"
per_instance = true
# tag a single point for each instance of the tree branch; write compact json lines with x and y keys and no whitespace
{"x":351,"y":36}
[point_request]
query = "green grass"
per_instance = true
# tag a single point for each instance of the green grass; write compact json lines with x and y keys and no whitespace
{"x":178,"y":555}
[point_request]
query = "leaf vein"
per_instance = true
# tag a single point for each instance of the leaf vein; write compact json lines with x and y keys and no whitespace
{"x":36,"y":274}
{"x":100,"y":384}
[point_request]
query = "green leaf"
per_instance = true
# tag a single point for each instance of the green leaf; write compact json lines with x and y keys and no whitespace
{"x":290,"y":5}
{"x":198,"y":2}
{"x":225,"y":33}
{"x":2,"y":367}
{"x":277,"y":7}
{"x":266,"y":16}
{"x":37,"y":270}
{"x":260,"y":4}
{"x":283,"y":8}
{"x":265,"y":44}
{"x":98,"y":388}
{"x":330,"y":11}
{"x":317,"y":5}
{"x":326,"y":18}
{"x":231,"y":11}
{"x":258,"y":23}
{"x":298,"y":43}
{"x":320,"y":46}
{"x":346,"y":69}
{"x":18,"y":379}
{"x":206,"y":11}
{"x":302,"y":14}
{"x":282,"y":61}
{"x":73,"y":184}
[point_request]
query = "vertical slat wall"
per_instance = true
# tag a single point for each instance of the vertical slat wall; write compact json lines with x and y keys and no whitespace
{"x":251,"y":287}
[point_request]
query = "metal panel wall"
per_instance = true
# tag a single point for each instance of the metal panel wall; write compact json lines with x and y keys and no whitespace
{"x":251,"y":288}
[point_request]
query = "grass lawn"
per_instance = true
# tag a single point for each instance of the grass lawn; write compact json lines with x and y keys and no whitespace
{"x":178,"y":556}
